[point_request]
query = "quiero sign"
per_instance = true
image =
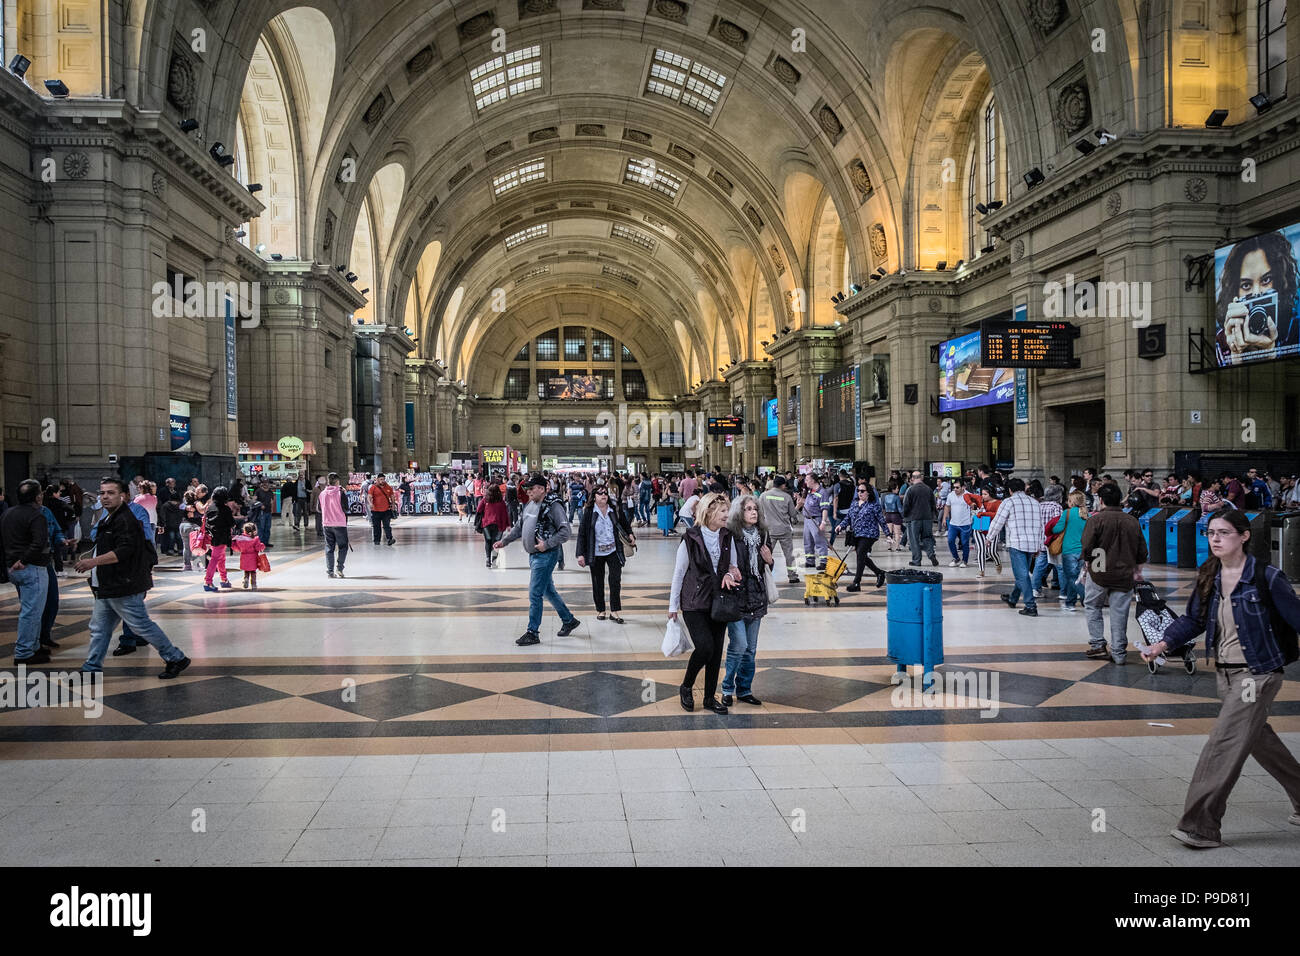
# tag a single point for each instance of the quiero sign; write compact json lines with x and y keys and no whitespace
{"x":289,"y":446}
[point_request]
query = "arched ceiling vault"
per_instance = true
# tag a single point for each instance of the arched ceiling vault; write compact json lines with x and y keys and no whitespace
{"x":399,"y":92}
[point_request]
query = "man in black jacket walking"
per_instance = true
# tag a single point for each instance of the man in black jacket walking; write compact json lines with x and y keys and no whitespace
{"x":26,"y":553}
{"x":120,"y":575}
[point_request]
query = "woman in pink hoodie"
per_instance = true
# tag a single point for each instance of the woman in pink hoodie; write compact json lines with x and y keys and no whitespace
{"x":248,"y":546}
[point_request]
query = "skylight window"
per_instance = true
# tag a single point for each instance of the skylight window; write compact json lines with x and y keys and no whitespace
{"x":685,"y":81}
{"x":527,"y":173}
{"x":647,"y":173}
{"x":621,"y":231}
{"x":505,"y":76}
{"x":525,"y":235}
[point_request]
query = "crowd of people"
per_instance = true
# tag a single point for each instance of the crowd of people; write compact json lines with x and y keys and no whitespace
{"x":1081,"y":537}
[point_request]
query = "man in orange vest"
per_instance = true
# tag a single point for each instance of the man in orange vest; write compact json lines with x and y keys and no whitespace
{"x":383,"y":502}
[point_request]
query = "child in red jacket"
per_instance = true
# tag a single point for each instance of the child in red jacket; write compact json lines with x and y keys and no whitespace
{"x":248,"y":545}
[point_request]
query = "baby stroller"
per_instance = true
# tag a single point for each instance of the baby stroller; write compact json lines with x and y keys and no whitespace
{"x":823,"y":584}
{"x":1153,"y":617}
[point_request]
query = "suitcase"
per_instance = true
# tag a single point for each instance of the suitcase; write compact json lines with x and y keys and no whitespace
{"x":664,"y":516}
{"x":1153,"y":617}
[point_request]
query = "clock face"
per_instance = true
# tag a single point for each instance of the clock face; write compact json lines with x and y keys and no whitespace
{"x":738,"y":408}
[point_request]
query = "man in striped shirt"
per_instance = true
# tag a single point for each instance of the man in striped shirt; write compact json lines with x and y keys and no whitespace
{"x":1022,"y":517}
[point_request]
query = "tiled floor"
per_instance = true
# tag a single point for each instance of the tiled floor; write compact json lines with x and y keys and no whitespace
{"x":389,"y":718}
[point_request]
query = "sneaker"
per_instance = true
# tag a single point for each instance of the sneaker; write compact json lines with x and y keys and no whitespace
{"x":963,"y":564}
{"x":934,"y":561}
{"x":1097,"y":653}
{"x":1069,"y":607}
{"x":528,"y":638}
{"x":1194,"y":841}
{"x":853,"y":588}
{"x":338,"y":573}
{"x":329,"y":574}
{"x":174,"y":668}
{"x":123,"y":649}
{"x":225,"y":584}
{"x":42,"y":656}
{"x":1038,"y":592}
{"x":1029,"y":612}
{"x":568,"y":628}
{"x":1006,"y":599}
{"x":209,"y":587}
{"x":954,"y":564}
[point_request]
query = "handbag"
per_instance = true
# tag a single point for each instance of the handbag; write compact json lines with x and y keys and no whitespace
{"x":263,"y":563}
{"x":200,"y":539}
{"x":727,"y":606}
{"x":773,"y":595}
{"x":1055,"y":541}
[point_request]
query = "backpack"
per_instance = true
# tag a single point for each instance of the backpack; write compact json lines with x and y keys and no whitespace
{"x":1283,"y":633}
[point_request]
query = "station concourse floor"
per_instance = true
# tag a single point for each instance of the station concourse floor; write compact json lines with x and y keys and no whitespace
{"x":388,"y":718}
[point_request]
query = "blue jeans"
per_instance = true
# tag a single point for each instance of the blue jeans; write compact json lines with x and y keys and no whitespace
{"x":32,"y":583}
{"x":959,"y":534}
{"x":1042,"y":566}
{"x":541,"y":585}
{"x":264,"y":527}
{"x":51,"y":604}
{"x":131,"y":611}
{"x":742,"y":645}
{"x":1021,"y":562}
{"x":643,"y":508}
{"x":1071,"y":591}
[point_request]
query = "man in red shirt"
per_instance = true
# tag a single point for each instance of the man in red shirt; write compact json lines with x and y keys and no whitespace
{"x":383,"y":502}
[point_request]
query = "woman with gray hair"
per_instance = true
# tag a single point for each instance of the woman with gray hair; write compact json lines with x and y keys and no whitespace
{"x":751,"y":553}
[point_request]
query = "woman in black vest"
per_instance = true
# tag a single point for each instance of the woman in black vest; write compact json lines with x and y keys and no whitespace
{"x":703,"y":569}
{"x":751,"y":555}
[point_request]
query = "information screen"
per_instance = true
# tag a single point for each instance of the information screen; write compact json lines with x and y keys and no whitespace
{"x":837,"y":405}
{"x":731,"y":425}
{"x":964,"y":382}
{"x":769,"y":412}
{"x":1027,"y":344}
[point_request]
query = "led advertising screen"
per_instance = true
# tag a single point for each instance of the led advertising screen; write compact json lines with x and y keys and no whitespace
{"x":1255,"y":282}
{"x":573,"y":386}
{"x":769,"y":413}
{"x":945,"y":469}
{"x":964,"y":383}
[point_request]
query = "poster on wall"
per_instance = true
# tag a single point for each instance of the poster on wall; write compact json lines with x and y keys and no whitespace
{"x":964,"y":383}
{"x":179,"y":421}
{"x":587,"y":387}
{"x":1255,"y":308}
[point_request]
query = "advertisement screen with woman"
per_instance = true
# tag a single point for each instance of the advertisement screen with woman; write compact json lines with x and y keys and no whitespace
{"x":1255,"y":316}
{"x":964,"y":383}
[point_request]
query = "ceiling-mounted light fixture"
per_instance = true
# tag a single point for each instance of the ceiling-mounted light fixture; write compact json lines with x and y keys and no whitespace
{"x":995,"y":205}
{"x":19,"y":65}
{"x":880,"y":271}
{"x":240,"y":234}
{"x":260,"y":248}
{"x":277,"y":256}
{"x":1215,"y":119}
{"x":254,"y":187}
{"x":982,"y":209}
{"x":1260,"y":101}
{"x":943,"y":264}
{"x":1033,"y":177}
{"x":59,"y":90}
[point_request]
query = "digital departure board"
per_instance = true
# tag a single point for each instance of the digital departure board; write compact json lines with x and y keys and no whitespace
{"x":731,"y":425}
{"x":1028,"y":344}
{"x":838,"y":403}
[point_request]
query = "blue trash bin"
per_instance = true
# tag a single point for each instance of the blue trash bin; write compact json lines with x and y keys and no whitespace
{"x":664,"y":514}
{"x":914,"y":614}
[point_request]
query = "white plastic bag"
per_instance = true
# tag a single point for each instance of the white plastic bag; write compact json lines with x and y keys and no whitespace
{"x":676,"y":639}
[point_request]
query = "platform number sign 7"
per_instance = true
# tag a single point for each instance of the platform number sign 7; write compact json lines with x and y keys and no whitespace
{"x":1151,"y":342}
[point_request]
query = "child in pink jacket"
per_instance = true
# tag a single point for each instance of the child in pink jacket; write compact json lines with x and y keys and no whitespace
{"x":248,"y":545}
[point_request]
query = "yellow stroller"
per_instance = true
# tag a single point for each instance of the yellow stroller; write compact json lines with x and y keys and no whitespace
{"x":824,"y":584}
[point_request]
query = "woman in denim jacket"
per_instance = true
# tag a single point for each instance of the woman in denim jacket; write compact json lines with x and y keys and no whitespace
{"x":1249,"y":661}
{"x":865,"y":517}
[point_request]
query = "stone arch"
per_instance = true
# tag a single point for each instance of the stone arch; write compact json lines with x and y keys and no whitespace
{"x":828,"y":265}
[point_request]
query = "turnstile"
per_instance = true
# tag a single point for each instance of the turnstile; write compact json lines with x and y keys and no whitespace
{"x":1152,"y":523}
{"x":1284,"y":543}
{"x":1174,"y":525}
